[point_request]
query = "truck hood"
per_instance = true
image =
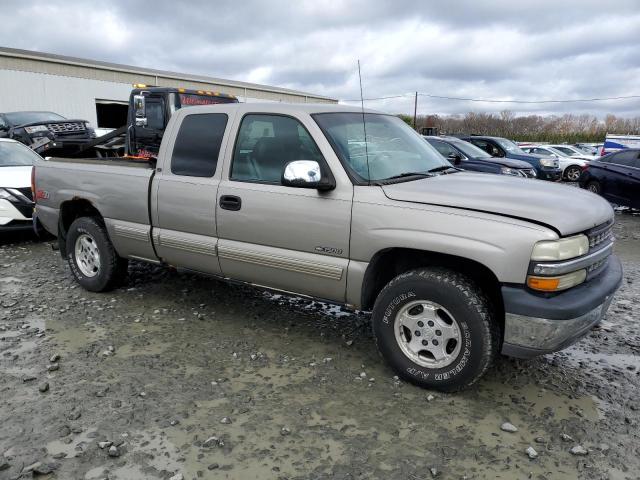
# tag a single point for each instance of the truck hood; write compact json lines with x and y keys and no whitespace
{"x":15,"y":177}
{"x":566,"y":209}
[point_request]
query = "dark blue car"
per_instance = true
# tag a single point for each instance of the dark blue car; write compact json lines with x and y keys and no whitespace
{"x":546,"y":167}
{"x":616,"y":177}
{"x":467,"y":156}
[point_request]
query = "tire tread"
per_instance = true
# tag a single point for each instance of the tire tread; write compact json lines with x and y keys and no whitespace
{"x":115,"y":264}
{"x":477,"y":299}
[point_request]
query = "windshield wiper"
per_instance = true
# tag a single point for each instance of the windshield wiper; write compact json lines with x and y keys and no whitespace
{"x":404,"y":175}
{"x":442,"y":168}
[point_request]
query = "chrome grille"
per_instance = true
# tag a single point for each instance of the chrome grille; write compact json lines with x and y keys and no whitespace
{"x":63,"y":128}
{"x":600,"y":234}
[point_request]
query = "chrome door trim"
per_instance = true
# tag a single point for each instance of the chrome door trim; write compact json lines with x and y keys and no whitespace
{"x":187,"y":245}
{"x":322,"y":270}
{"x":133,"y":233}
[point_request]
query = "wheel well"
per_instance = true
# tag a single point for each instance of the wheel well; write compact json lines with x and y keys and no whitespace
{"x":390,"y":263}
{"x":69,"y":211}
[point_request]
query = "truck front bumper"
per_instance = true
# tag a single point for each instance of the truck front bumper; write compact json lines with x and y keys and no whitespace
{"x":535,"y":324}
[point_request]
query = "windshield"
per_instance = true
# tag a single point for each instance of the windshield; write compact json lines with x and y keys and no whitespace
{"x":16,"y":155}
{"x":557,"y":151}
{"x":509,"y":146}
{"x":470,"y":150}
{"x":20,"y":118}
{"x":392,"y":148}
{"x":567,"y":151}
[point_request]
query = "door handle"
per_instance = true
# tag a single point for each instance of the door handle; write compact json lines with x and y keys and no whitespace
{"x":230,"y":202}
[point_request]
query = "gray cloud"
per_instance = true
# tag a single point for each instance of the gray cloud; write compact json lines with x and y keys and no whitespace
{"x":492,"y":49}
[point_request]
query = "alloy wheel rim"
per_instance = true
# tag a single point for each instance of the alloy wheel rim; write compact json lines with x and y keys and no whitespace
{"x":428,"y":334}
{"x":573,"y":174}
{"x":87,"y":255}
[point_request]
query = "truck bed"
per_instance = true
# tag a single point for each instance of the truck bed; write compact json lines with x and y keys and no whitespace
{"x":116,"y":162}
{"x":118,"y":189}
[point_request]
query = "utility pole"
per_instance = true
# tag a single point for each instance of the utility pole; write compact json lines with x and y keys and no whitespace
{"x":415,"y":111}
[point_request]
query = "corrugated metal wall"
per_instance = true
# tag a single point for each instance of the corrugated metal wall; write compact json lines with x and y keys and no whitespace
{"x":68,"y":96}
{"x":71,"y":89}
{"x":123,"y":76}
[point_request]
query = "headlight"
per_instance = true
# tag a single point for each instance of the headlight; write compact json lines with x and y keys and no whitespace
{"x":547,"y":162}
{"x":509,"y":171}
{"x":562,"y":249}
{"x":36,"y":128}
{"x":556,"y":284}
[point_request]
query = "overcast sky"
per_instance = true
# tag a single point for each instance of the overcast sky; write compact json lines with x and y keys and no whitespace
{"x":525,"y":50}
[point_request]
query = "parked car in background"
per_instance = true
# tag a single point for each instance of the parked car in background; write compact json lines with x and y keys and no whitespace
{"x":616,"y":177}
{"x":467,"y":156}
{"x":45,"y":131}
{"x":613,"y":143}
{"x":588,"y":148}
{"x":575,"y":152}
{"x":16,"y":201}
{"x":547,"y":168}
{"x":571,"y":167}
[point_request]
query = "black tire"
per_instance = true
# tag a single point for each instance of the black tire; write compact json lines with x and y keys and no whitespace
{"x":572,"y":171}
{"x":594,"y":187}
{"x":112,"y":268}
{"x":467,"y":304}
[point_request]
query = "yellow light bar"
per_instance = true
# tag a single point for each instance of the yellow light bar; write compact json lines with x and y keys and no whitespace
{"x":181,"y":90}
{"x":139,"y":85}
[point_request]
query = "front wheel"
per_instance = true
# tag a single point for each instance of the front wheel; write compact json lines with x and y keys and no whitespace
{"x":594,"y":187}
{"x":91,"y":256}
{"x":435,"y":328}
{"x":572,"y":173}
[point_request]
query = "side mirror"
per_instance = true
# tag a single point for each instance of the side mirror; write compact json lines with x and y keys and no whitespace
{"x":455,"y":158}
{"x":306,"y":174}
{"x":140,"y":109}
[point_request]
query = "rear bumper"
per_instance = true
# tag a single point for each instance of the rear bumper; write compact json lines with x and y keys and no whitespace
{"x":535,"y":325}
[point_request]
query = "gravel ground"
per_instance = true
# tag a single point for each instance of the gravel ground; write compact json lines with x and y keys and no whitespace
{"x":183,"y":377}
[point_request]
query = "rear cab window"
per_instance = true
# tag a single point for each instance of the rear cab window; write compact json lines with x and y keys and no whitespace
{"x":197,"y":145}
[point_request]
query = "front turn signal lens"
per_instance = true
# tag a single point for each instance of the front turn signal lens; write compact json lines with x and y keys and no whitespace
{"x":556,"y":284}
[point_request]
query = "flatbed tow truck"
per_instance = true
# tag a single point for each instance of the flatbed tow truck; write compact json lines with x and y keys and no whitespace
{"x":150,"y":109}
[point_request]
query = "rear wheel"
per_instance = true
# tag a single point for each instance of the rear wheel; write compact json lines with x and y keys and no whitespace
{"x":572,"y":173}
{"x":91,"y":256}
{"x":595,"y":187}
{"x":435,"y":328}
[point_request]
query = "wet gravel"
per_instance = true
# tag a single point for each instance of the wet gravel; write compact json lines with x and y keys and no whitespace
{"x":176,"y":376}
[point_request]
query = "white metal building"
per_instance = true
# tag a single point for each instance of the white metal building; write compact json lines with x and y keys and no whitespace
{"x":98,"y":91}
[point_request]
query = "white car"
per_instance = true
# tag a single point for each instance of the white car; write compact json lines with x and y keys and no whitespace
{"x":16,"y":202}
{"x":574,"y":152}
{"x":572,"y":167}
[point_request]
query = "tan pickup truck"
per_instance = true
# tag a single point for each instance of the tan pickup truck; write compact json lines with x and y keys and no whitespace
{"x":349,"y":207}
